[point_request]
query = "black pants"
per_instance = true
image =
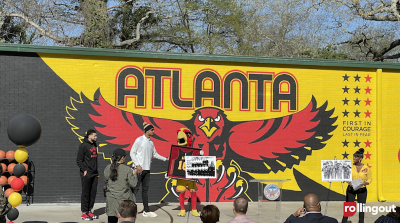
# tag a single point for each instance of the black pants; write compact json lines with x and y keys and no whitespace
{"x":361,"y":198}
{"x":144,"y":180}
{"x":89,"y":191}
{"x":112,"y":219}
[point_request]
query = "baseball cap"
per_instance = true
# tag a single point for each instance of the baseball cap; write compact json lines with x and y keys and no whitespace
{"x":119,"y":152}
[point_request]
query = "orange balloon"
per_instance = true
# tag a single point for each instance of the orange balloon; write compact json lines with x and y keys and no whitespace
{"x":26,"y":166}
{"x":10,"y":179}
{"x":2,"y":154}
{"x":8,"y":192}
{"x":4,"y":167}
{"x":10,"y":167}
{"x":3,"y":181}
{"x":10,"y":155}
{"x":25,"y":179}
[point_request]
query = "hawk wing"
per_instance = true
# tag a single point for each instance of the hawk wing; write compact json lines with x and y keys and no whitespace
{"x":282,"y":142}
{"x":124,"y":127}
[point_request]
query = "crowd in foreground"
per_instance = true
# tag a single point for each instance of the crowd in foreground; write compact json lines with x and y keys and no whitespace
{"x":309,"y":212}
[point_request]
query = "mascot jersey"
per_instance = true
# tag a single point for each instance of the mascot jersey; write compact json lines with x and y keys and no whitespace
{"x":179,"y":164}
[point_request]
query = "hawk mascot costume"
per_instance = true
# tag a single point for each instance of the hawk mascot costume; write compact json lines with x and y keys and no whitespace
{"x":185,"y":139}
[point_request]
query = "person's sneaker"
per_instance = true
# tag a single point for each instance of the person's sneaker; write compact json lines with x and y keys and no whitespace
{"x":93,"y":216}
{"x":149,"y":214}
{"x":86,"y":217}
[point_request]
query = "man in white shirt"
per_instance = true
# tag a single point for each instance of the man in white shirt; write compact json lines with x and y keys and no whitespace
{"x":141,"y":153}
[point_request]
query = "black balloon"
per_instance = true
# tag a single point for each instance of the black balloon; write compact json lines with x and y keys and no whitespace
{"x":19,"y":170}
{"x":24,"y":130}
{"x":13,"y":214}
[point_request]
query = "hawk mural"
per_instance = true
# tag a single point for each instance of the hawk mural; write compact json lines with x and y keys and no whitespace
{"x":241,"y":147}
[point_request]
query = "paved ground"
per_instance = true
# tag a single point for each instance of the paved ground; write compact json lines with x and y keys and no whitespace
{"x":70,"y":213}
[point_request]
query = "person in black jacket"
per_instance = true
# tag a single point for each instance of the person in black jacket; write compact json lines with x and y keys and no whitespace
{"x":87,"y":162}
{"x":391,"y":217}
{"x":312,"y":212}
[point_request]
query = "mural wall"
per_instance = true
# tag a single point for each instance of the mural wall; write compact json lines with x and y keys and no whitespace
{"x":260,"y":120}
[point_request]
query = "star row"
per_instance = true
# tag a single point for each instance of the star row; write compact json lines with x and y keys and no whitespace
{"x":357,"y":78}
{"x":357,"y":113}
{"x":357,"y":143}
{"x":357,"y":90}
{"x":357,"y":102}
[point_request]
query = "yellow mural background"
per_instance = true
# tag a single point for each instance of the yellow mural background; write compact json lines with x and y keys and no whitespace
{"x":88,"y":73}
{"x":390,"y":140}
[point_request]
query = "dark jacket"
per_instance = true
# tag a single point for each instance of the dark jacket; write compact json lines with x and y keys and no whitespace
{"x":87,"y":158}
{"x":386,"y":219}
{"x":4,"y":207}
{"x":311,"y":218}
{"x":119,"y":190}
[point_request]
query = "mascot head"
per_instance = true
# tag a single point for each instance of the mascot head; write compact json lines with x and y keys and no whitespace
{"x":185,"y":137}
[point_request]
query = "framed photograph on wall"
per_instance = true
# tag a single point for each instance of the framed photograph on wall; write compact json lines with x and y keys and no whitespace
{"x":336,"y":170}
{"x":177,"y":162}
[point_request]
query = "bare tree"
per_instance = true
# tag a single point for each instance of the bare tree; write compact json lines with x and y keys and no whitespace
{"x":278,"y":28}
{"x":367,"y":29}
{"x":240,"y":27}
{"x":89,"y":23}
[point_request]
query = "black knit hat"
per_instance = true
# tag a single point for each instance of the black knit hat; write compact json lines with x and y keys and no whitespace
{"x":147,"y":127}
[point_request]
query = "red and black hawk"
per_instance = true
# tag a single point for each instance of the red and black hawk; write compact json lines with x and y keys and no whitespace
{"x":257,"y":146}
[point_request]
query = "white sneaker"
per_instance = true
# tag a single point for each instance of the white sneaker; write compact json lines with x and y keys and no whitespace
{"x":149,"y":214}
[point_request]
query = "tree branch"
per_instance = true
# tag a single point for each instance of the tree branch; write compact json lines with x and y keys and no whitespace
{"x":118,"y":6}
{"x":67,"y":6}
{"x":41,"y":30}
{"x":137,"y":36}
{"x":380,"y":54}
{"x":395,"y":56}
{"x":69,"y":41}
{"x":177,"y":44}
{"x":389,"y":11}
{"x":70,"y":21}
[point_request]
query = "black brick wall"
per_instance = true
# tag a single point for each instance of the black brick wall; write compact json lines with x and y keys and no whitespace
{"x":28,"y":85}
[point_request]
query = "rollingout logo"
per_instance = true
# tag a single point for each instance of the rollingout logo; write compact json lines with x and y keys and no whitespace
{"x":350,"y":208}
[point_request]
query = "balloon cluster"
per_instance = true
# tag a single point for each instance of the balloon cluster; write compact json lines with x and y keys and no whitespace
{"x":23,"y":130}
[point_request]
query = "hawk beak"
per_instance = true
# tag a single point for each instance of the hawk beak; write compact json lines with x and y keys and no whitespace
{"x":182,"y":140}
{"x":209,"y":127}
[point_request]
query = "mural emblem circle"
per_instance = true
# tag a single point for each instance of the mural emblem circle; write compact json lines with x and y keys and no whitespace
{"x":272,"y":192}
{"x":399,"y":155}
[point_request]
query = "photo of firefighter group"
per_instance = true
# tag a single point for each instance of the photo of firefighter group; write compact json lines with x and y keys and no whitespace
{"x":200,"y":167}
{"x":336,"y":170}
